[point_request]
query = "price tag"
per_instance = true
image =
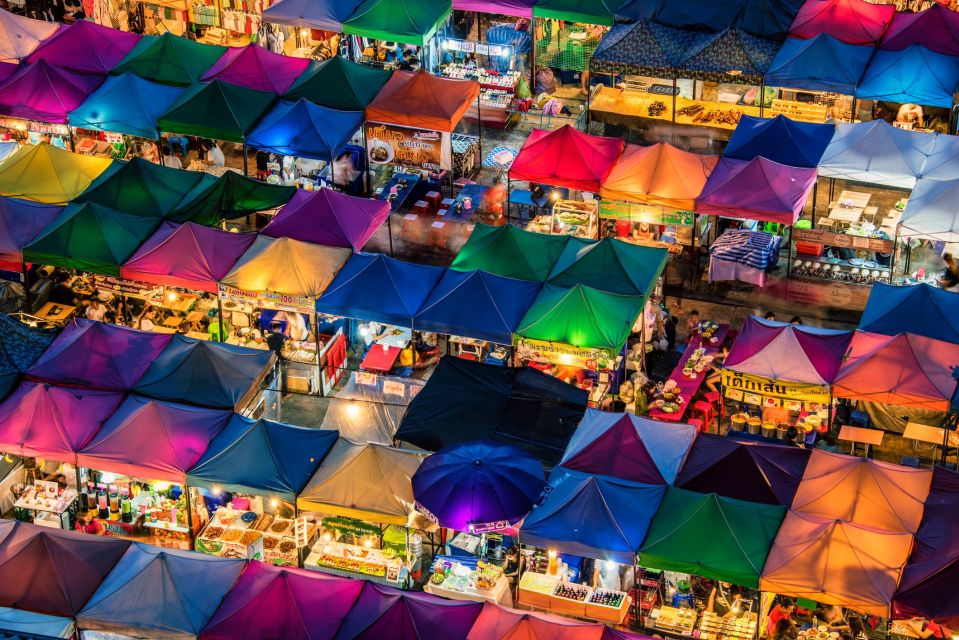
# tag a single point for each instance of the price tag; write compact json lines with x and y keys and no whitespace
{"x":301,"y":530}
{"x":114,"y":138}
{"x":860,"y":242}
{"x":393,"y":388}
{"x":366,"y":378}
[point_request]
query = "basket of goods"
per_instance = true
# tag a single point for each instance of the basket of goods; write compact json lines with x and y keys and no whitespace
{"x":250,"y":537}
{"x":606,"y":605}
{"x":569,"y":599}
{"x":233,"y":535}
{"x":437,"y":578}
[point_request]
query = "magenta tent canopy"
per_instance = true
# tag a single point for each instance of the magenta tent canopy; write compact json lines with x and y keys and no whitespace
{"x":757,"y":189}
{"x":254,"y":67}
{"x":514,"y":8}
{"x":42,"y":421}
{"x":45,"y":92}
{"x":86,"y":47}
{"x":274,"y":602}
{"x":328,"y":218}
{"x":97,"y":355}
{"x":153,"y":440}
{"x":936,"y":28}
{"x":188,"y":256}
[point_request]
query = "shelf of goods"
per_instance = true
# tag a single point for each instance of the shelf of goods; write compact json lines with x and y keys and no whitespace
{"x":353,"y":560}
{"x":496,"y":93}
{"x":462,"y":581}
{"x":548,"y":592}
{"x":240,"y":534}
{"x":673,"y":620}
{"x":712,"y":627}
{"x":568,"y":217}
{"x":800,"y":111}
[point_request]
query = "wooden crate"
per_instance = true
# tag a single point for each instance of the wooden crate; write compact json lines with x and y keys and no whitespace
{"x":603,"y":613}
{"x":534,"y":598}
{"x":567,"y":607}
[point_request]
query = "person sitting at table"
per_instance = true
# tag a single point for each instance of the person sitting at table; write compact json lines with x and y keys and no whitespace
{"x":147,"y":320}
{"x":692,"y":325}
{"x":781,"y":612}
{"x":716,"y":368}
{"x":643,"y":232}
{"x":372,"y":332}
{"x":96,"y":310}
{"x":924,"y":628}
{"x":834,"y":616}
{"x":61,"y":293}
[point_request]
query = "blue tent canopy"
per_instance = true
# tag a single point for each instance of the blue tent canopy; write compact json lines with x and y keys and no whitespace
{"x":33,"y":625}
{"x":915,"y":75}
{"x":476,"y":304}
{"x":644,"y":46}
{"x":125,"y":104}
{"x":134,"y":599}
{"x":712,"y":56}
{"x":262,"y":457}
{"x":819,"y":64}
{"x":931,"y":213}
{"x":325,"y":15}
{"x":943,"y":161}
{"x":593,"y":516}
{"x":921,"y":309}
{"x":876,"y":152}
{"x":765,"y":18}
{"x":305,"y":130}
{"x":797,"y":144}
{"x":372,"y":286}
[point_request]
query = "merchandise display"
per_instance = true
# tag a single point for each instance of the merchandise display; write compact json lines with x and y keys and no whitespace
{"x":381,"y":565}
{"x":568,"y":217}
{"x":235,"y":533}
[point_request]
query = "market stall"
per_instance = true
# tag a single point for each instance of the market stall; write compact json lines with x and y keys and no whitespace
{"x":338,"y":83}
{"x":511,"y":252}
{"x":19,"y":621}
{"x":756,"y":189}
{"x":398,"y":22}
{"x":169,"y":59}
{"x":566,"y":35}
{"x":851,"y":21}
{"x":743,"y":255}
{"x":325,"y":217}
{"x":43,"y":173}
{"x":609,"y":265}
{"x":369,"y":408}
{"x":44,"y":93}
{"x":20,"y":346}
{"x":675,"y":396}
{"x":256,"y":67}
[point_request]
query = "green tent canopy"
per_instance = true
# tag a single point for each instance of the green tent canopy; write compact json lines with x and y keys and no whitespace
{"x":609,"y":265}
{"x":90,"y":237}
{"x":601,"y":12}
{"x":169,"y":59}
{"x":406,"y":21}
{"x":338,"y":83}
{"x":581,"y":316}
{"x":217,"y":110}
{"x":510,"y":252}
{"x":231,"y":196}
{"x":711,"y":536}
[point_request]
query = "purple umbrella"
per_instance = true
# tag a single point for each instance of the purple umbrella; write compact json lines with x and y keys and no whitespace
{"x":478,"y":486}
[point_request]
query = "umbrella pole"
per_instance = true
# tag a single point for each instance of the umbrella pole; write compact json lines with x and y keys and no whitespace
{"x":815,"y":193}
{"x":246,"y":159}
{"x":189,"y":513}
{"x":366,"y":171}
{"x":219,"y":308}
{"x":316,"y":335}
{"x":762,"y":95}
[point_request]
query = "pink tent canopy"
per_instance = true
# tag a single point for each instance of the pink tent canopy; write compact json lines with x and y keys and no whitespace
{"x":153,"y":440}
{"x":514,"y":8}
{"x":86,"y":47}
{"x":500,"y":623}
{"x":42,"y":421}
{"x":849,"y":21}
{"x":254,"y":67}
{"x":758,"y":189}
{"x":45,"y":92}
{"x":567,"y":158}
{"x":188,"y":255}
{"x":936,"y":28}
{"x":326,"y":217}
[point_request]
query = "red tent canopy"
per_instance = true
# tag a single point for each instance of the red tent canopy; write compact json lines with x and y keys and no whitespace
{"x":849,"y":21}
{"x":422,"y":101}
{"x":567,"y":158}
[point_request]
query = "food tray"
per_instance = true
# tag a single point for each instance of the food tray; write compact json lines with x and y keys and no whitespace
{"x":280,"y":527}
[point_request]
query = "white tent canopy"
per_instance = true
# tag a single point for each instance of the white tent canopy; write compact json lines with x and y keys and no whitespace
{"x":19,"y":35}
{"x":932,"y":212}
{"x":876,"y":153}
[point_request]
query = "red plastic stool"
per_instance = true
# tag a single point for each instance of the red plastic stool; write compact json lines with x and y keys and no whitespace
{"x":704,"y":409}
{"x":696,"y":422}
{"x":714,"y":398}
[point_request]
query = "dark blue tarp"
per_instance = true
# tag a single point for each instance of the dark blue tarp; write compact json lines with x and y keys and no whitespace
{"x":819,"y":64}
{"x":765,"y":18}
{"x":921,"y":309}
{"x":642,"y":47}
{"x":262,"y":457}
{"x":915,"y":75}
{"x":325,"y":15}
{"x":466,"y":400}
{"x":476,"y":304}
{"x":125,"y":104}
{"x":20,"y":346}
{"x":713,"y":55}
{"x":593,"y":516}
{"x":797,"y":144}
{"x":305,"y":130}
{"x":372,"y":286}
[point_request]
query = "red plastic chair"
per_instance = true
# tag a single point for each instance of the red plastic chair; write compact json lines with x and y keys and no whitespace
{"x":715,"y":399}
{"x":704,"y":410}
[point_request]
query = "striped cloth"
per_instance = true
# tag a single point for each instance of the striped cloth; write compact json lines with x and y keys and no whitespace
{"x":752,"y":248}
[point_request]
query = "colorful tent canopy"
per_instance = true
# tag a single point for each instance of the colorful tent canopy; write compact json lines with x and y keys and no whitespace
{"x":642,"y":47}
{"x":97,"y":355}
{"x":864,"y":491}
{"x":476,"y":304}
{"x":64,"y":568}
{"x":286,"y":266}
{"x":230,"y":196}
{"x":169,"y":59}
{"x":254,"y":67}
{"x":931,"y":213}
{"x":848,"y":21}
{"x":821,"y":63}
{"x":566,"y":157}
{"x":936,"y":28}
{"x":15,"y":622}
{"x":134,"y":599}
{"x":836,"y":562}
{"x":627,"y":446}
{"x":876,"y":152}
{"x":153,"y":440}
{"x":329,"y":218}
{"x":915,"y":75}
{"x":768,"y":19}
{"x":326,"y":15}
{"x":921,"y":309}
{"x":601,"y":12}
{"x":519,"y":406}
{"x":797,"y":144}
{"x":216,"y":110}
{"x":338,"y":83}
{"x":513,"y":8}
{"x":305,"y":130}
{"x":758,"y":189}
{"x":407,"y":21}
{"x":500,"y":623}
{"x":45,"y":92}
{"x":905,"y":370}
{"x":757,"y":472}
{"x":368,"y":481}
{"x":43,"y":173}
{"x":90,"y":237}
{"x":262,"y":457}
{"x":711,"y":536}
{"x":125,"y":104}
{"x":292,"y":604}
{"x":20,"y":346}
{"x":421,"y":100}
{"x":20,"y":222}
{"x":204,"y":373}
{"x":186,"y":255}
{"x":42,"y":421}
{"x":711,"y":56}
{"x":659,"y":174}
{"x":609,"y":265}
{"x":20,"y":35}
{"x":592,"y":515}
{"x":510,"y":252}
{"x":85,"y":47}
{"x":942,"y":162}
{"x":581,"y":316}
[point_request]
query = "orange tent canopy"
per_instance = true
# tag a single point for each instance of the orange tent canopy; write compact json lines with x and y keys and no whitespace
{"x":905,"y":370}
{"x":659,"y":174}
{"x":836,"y":562}
{"x":422,"y":101}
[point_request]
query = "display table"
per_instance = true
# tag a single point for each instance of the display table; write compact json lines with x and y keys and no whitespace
{"x":380,"y":358}
{"x":54,"y":312}
{"x":353,"y":561}
{"x":402,"y":191}
{"x":686,"y":386}
{"x":720,"y":270}
{"x":58,"y":507}
{"x":499,"y":594}
{"x":543,"y":591}
{"x":228,"y":535}
{"x":456,"y":211}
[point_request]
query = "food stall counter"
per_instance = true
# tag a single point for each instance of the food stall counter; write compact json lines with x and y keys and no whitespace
{"x":462,"y":579}
{"x":353,"y":561}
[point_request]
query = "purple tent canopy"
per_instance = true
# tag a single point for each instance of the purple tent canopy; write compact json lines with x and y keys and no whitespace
{"x":254,"y":67}
{"x":514,"y":8}
{"x":20,"y":222}
{"x":99,"y":356}
{"x":86,"y":47}
{"x":45,"y":92}
{"x":328,"y":218}
{"x":936,"y":28}
{"x":758,"y":189}
{"x":757,"y":472}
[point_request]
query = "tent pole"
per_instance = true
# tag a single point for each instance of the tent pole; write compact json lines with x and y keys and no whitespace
{"x":366,"y":171}
{"x":245,"y":158}
{"x":28,"y":298}
{"x":219,"y":308}
{"x":73,"y":146}
{"x":509,"y":190}
{"x":673,"y":128}
{"x":789,"y":258}
{"x":852,"y":110}
{"x":189,"y":512}
{"x":762,"y":95}
{"x":815,"y":192}
{"x":316,"y":335}
{"x":479,"y":129}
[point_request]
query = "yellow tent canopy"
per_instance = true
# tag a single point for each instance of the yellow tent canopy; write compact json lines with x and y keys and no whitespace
{"x":287,"y":267}
{"x":44,"y":173}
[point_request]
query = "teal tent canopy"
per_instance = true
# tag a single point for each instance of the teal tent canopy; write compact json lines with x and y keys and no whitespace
{"x":216,"y":110}
{"x":125,"y":104}
{"x":338,"y":83}
{"x":169,"y":59}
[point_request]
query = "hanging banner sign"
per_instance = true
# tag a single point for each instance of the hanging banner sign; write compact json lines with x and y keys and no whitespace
{"x":417,"y":148}
{"x":128,"y":287}
{"x":564,"y":354}
{"x":653,"y":214}
{"x":266,"y":299}
{"x":736,"y":381}
{"x":843,"y":240}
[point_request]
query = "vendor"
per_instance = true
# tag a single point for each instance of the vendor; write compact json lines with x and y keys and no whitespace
{"x":725,"y":600}
{"x":606,"y":575}
{"x":910,"y":114}
{"x":512,"y":567}
{"x":782,"y":611}
{"x":644,"y":232}
{"x":89,"y":523}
